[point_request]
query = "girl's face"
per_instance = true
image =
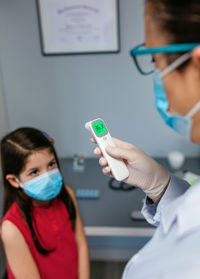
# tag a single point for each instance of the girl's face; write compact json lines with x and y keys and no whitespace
{"x":182,"y":87}
{"x":36,"y":164}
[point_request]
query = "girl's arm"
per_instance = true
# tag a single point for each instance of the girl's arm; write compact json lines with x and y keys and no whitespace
{"x":83,"y":251}
{"x":17,"y":253}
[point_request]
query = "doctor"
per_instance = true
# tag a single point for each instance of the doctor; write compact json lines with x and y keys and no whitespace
{"x":172,"y":39}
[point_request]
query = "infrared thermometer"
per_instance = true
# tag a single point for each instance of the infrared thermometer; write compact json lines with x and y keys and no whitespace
{"x":102,"y":136}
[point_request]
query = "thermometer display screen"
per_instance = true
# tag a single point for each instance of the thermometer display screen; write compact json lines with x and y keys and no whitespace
{"x":99,"y":128}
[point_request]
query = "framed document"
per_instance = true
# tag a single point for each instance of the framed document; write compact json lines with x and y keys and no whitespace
{"x":78,"y":26}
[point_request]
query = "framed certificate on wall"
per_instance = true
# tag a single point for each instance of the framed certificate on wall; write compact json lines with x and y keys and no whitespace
{"x":78,"y":26}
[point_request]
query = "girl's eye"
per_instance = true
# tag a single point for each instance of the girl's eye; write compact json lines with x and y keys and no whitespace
{"x":52,"y":164}
{"x":33,"y":173}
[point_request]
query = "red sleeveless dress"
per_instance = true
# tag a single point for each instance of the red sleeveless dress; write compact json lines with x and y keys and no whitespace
{"x":54,"y":231}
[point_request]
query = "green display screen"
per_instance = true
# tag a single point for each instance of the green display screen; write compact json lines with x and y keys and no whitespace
{"x":99,"y":128}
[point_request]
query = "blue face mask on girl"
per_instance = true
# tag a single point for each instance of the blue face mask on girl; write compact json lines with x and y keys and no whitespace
{"x":43,"y":187}
{"x":180,"y":123}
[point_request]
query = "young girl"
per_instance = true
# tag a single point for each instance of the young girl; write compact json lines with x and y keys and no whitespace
{"x":41,"y":229}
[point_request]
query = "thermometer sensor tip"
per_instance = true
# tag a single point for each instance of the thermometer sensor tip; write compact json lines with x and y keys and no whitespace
{"x":87,"y":126}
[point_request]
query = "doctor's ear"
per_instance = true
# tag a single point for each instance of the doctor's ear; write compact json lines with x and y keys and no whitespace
{"x":12,"y":180}
{"x":196,"y":57}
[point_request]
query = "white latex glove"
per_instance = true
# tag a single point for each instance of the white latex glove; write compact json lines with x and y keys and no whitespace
{"x":145,"y":172}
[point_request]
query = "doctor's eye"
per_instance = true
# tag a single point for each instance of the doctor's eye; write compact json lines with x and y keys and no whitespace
{"x":153,"y":60}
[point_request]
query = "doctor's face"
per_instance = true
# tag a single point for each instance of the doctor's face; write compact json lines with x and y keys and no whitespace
{"x":182,"y":85}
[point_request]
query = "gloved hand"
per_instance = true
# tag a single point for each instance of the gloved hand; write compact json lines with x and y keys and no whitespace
{"x":145,"y":172}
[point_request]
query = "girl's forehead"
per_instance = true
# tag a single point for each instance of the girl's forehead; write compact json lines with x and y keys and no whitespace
{"x":39,"y":157}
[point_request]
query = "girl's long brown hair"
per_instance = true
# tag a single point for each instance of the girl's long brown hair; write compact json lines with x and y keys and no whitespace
{"x":16,"y":147}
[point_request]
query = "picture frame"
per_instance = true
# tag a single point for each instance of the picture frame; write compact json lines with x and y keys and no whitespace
{"x":78,"y":26}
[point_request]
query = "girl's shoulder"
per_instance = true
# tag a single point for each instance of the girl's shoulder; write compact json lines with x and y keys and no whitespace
{"x":9,"y":232}
{"x":12,"y":220}
{"x":13,"y":213}
{"x":9,"y":226}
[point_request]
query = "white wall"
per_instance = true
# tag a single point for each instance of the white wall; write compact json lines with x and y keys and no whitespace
{"x":58,"y":94}
{"x":3,"y":108}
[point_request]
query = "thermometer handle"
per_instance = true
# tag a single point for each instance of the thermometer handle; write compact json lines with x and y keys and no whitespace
{"x":118,"y":167}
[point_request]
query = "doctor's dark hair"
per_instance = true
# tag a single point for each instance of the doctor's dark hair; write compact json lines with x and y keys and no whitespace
{"x":177,"y":20}
{"x":16,"y":147}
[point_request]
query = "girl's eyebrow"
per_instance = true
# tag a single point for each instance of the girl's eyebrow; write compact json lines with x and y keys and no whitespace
{"x":52,"y":159}
{"x":36,"y":167}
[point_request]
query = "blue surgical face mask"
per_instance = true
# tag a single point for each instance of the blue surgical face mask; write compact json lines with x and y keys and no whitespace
{"x":43,"y":187}
{"x":180,"y":123}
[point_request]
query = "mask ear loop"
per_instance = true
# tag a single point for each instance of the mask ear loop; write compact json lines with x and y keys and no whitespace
{"x":193,"y":111}
{"x":179,"y":61}
{"x":17,"y":180}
